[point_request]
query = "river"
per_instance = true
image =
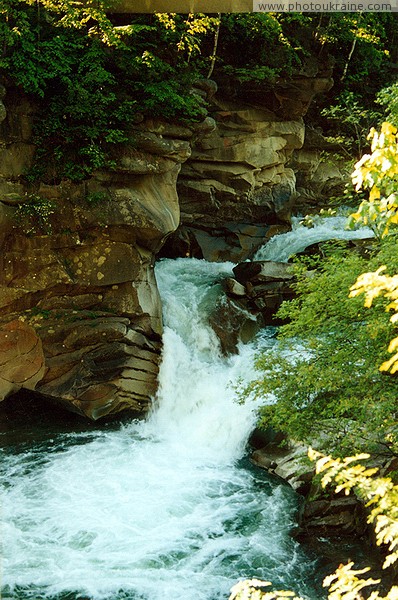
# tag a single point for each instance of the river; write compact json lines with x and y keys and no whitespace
{"x":163,"y":509}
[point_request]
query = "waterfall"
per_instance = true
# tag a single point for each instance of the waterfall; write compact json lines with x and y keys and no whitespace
{"x":162,"y":509}
{"x":168,"y":508}
{"x":282,"y":247}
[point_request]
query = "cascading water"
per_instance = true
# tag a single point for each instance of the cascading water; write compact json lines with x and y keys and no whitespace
{"x":164,"y":509}
{"x":282,"y":247}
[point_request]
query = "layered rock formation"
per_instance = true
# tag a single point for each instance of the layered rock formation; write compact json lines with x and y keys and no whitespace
{"x":251,"y":301}
{"x":321,"y":171}
{"x":76,"y":270}
{"x":237,"y":189}
{"x":76,"y":262}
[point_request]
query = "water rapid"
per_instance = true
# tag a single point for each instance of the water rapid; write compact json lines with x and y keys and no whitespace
{"x":162,"y":509}
{"x":282,"y":247}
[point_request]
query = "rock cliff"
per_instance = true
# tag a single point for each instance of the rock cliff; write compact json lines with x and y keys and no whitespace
{"x":76,"y":270}
{"x":80,"y":315}
{"x":239,"y":185}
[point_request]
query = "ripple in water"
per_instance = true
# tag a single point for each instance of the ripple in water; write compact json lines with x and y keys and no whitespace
{"x":164,"y":509}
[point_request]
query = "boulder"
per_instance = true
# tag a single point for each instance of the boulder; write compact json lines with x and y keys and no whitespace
{"x":232,"y":324}
{"x":262,"y":272}
{"x":264,"y":285}
{"x":230,"y":241}
{"x":233,"y":287}
{"x":251,"y":301}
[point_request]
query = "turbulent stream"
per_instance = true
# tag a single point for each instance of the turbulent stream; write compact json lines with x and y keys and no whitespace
{"x":163,"y":509}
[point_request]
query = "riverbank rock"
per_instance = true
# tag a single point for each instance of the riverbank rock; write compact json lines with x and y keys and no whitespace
{"x":76,"y":265}
{"x":267,"y":284}
{"x":21,"y":358}
{"x":323,"y":515}
{"x":239,"y":186}
{"x":333,"y":517}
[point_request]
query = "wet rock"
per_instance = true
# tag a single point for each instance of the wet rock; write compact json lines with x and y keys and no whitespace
{"x":262,"y":272}
{"x":232,"y":324}
{"x":337,"y":516}
{"x":233,"y":287}
{"x":288,"y":461}
{"x":264,"y":286}
{"x":260,"y":459}
{"x":21,"y":358}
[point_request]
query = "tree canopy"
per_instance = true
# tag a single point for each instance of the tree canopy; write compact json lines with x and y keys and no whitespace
{"x":330,"y":371}
{"x":93,"y":74}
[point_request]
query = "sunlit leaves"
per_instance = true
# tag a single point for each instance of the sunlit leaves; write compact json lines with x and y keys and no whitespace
{"x":345,"y":585}
{"x":379,"y":493}
{"x":376,"y":284}
{"x":253,"y":589}
{"x":378,"y":173}
{"x":91,"y":16}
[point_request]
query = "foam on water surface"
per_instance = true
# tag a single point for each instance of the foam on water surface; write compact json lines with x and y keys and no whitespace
{"x":162,"y":509}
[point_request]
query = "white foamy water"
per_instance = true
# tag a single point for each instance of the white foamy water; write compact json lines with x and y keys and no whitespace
{"x":281,"y":247}
{"x":158,"y":510}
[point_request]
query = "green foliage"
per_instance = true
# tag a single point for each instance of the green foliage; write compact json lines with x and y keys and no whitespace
{"x":92,"y":80}
{"x":381,"y":496}
{"x":324,"y":370}
{"x":253,"y":48}
{"x":34,"y":215}
{"x":339,"y":384}
{"x":388,"y":97}
{"x":378,"y":173}
{"x":362,"y":46}
{"x":353,"y":120}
